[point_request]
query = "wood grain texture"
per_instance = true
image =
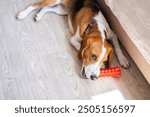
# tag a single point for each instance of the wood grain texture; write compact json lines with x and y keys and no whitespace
{"x":38,"y":62}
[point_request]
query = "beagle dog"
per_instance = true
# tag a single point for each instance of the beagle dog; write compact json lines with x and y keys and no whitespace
{"x":91,"y":34}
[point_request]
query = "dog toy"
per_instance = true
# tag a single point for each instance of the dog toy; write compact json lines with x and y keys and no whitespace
{"x":112,"y":72}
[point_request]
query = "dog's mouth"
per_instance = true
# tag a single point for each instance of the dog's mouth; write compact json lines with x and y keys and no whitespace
{"x":93,"y":77}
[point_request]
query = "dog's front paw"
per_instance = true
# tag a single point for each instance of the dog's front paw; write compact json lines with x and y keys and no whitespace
{"x":124,"y":62}
{"x":21,"y":15}
{"x":37,"y":18}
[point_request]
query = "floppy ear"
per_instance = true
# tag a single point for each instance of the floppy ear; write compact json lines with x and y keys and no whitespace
{"x":109,"y":57}
{"x":84,"y":46}
{"x":81,"y":51}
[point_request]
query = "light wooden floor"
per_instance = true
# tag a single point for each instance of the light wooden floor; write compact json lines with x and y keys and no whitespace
{"x":38,"y":62}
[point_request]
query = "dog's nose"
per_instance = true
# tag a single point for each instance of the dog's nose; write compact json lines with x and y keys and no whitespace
{"x":93,"y":77}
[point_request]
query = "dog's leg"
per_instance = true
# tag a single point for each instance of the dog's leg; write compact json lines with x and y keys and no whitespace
{"x":45,"y":3}
{"x":75,"y":40}
{"x":58,"y":9}
{"x":122,"y":59}
{"x":70,"y":26}
{"x":35,"y":6}
{"x":26,"y":12}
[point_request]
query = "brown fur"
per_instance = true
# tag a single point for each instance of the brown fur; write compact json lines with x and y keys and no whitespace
{"x":91,"y":41}
{"x":45,"y":3}
{"x":92,"y":44}
{"x":108,"y":54}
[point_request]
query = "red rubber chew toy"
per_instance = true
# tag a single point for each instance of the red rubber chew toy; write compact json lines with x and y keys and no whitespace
{"x":112,"y":72}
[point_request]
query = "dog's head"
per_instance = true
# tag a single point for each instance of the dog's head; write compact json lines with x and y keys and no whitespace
{"x":93,"y":53}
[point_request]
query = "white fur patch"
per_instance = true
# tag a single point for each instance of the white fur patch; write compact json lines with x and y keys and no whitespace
{"x":56,"y":9}
{"x":59,"y":1}
{"x":39,"y":15}
{"x":25,"y":12}
{"x":76,"y":39}
{"x":70,"y":26}
{"x":103,"y":25}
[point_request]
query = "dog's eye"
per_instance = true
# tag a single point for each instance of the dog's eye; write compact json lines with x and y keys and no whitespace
{"x":94,"y":57}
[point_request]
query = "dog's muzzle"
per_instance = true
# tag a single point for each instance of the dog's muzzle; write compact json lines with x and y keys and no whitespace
{"x":92,"y":77}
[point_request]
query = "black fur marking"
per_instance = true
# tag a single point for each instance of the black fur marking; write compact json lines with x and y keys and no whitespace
{"x":93,"y":4}
{"x":77,"y":5}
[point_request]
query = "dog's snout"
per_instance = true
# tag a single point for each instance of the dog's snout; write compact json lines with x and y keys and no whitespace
{"x":93,"y":77}
{"x":89,"y":75}
{"x":83,"y":73}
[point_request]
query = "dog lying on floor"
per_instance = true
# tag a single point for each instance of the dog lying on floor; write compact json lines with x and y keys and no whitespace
{"x":90,"y":31}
